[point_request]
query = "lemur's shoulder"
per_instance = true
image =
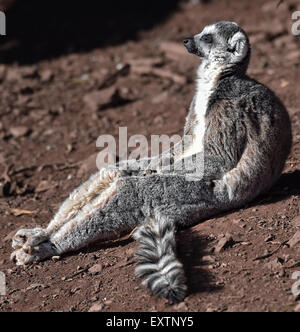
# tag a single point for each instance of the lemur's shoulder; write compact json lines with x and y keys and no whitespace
{"x":241,"y":95}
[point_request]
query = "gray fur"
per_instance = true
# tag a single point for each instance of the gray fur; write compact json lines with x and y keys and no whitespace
{"x":246,"y":141}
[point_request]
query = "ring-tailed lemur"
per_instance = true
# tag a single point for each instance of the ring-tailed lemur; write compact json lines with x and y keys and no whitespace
{"x":239,"y":125}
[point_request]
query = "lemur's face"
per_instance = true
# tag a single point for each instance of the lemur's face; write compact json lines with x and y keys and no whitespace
{"x":222,"y":42}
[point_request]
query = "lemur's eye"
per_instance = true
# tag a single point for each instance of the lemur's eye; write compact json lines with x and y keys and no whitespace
{"x":207,"y":38}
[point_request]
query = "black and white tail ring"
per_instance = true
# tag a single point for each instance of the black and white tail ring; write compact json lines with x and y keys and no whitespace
{"x":157,"y":263}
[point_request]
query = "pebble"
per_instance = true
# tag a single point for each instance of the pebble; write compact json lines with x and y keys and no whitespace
{"x":224,"y":243}
{"x":96,"y":269}
{"x":294,"y":240}
{"x":19,"y":131}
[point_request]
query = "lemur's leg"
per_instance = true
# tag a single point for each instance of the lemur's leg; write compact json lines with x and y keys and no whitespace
{"x":83,"y":195}
{"x":119,"y":208}
{"x":100,"y":218}
{"x":157,"y":263}
{"x":80,"y":197}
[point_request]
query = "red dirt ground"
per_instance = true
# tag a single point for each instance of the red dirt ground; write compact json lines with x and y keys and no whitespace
{"x":48,"y":129}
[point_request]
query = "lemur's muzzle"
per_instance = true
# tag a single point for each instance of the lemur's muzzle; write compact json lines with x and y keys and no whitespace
{"x":190,"y":45}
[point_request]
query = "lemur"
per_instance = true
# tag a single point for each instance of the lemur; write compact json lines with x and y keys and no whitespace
{"x":241,"y":129}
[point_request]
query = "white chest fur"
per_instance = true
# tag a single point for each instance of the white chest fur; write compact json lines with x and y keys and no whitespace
{"x":206,"y":84}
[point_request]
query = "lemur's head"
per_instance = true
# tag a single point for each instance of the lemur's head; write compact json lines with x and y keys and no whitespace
{"x":222,"y":42}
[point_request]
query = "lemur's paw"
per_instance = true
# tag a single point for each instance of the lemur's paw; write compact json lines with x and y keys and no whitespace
{"x":26,"y":238}
{"x":32,"y":254}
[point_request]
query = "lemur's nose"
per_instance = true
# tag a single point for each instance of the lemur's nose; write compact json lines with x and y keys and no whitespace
{"x":189,"y":42}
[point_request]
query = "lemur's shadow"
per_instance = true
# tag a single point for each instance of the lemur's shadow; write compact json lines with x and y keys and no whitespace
{"x":191,"y":248}
{"x":38,"y":30}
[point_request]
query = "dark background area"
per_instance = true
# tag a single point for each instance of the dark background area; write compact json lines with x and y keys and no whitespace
{"x":39,"y":29}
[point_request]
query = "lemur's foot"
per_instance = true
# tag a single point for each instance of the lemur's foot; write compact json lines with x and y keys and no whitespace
{"x":31,"y":245}
{"x":29,"y":237}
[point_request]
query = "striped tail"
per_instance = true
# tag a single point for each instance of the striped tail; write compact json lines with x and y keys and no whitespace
{"x":157,"y":264}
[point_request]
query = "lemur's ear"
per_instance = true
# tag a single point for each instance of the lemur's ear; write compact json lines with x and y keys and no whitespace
{"x":238,"y":46}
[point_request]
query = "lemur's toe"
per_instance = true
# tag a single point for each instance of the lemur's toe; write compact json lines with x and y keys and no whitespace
{"x":20,"y":257}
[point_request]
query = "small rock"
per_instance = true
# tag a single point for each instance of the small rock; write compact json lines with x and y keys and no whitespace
{"x":29,"y":72}
{"x":74,"y":290}
{"x":239,"y":222}
{"x":275,"y":264}
{"x":284,"y":84}
{"x":294,"y":240}
{"x":293,"y":55}
{"x":13,"y":75}
{"x":269,"y":238}
{"x":19,"y":131}
{"x":246,"y":243}
{"x":46,"y":75}
{"x":94,"y":298}
{"x":96,"y":307}
{"x":96,"y":100}
{"x":158,"y":120}
{"x":43,"y":186}
{"x":224,"y":243}
{"x":34,"y":286}
{"x":296,"y":221}
{"x":182,"y":306}
{"x":55,"y":258}
{"x":96,"y":269}
{"x":160,"y":98}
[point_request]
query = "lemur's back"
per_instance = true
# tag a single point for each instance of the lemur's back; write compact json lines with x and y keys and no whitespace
{"x":243,"y":112}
